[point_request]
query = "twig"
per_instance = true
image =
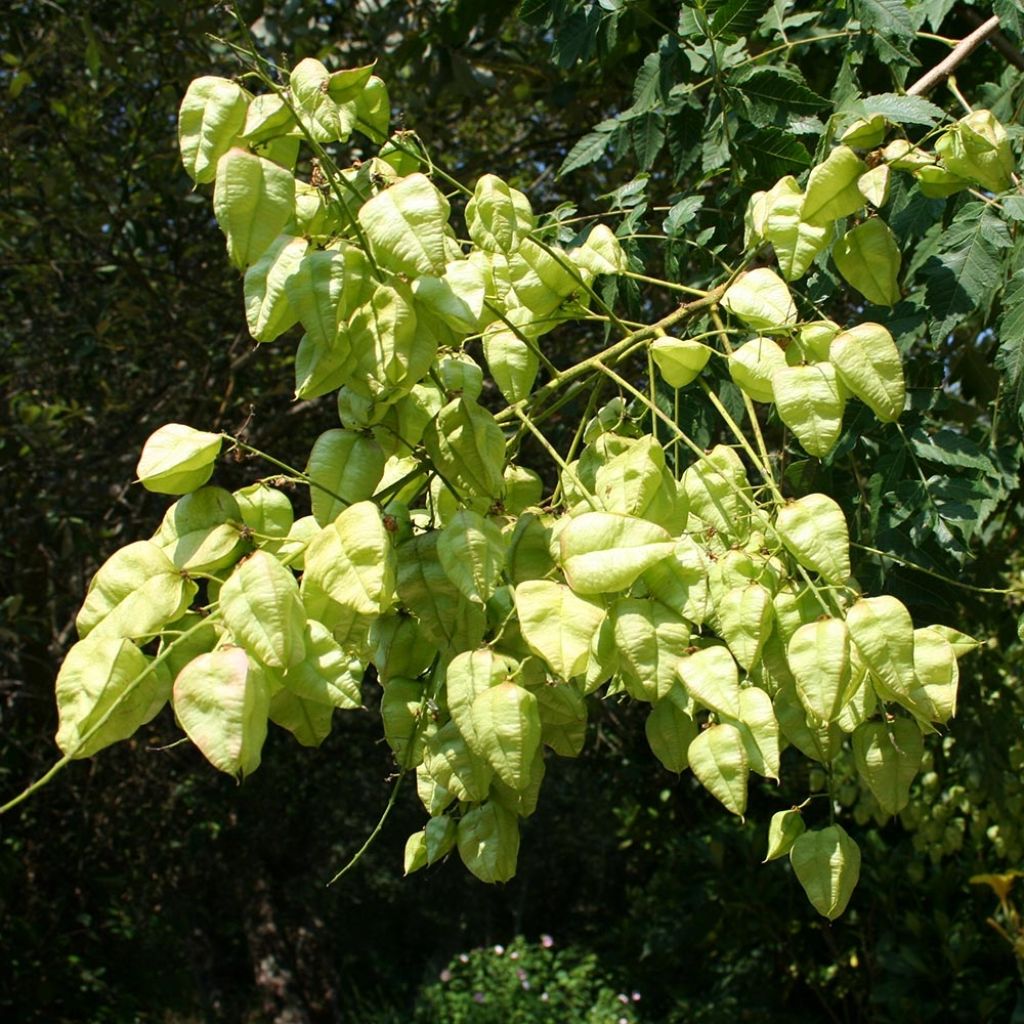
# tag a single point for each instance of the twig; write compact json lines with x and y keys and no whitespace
{"x":960,"y":53}
{"x":999,"y":41}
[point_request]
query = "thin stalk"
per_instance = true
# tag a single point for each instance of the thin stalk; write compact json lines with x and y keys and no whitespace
{"x":935,"y":575}
{"x":671,"y":285}
{"x":58,"y":766}
{"x":559,"y":461}
{"x":614,"y":352}
{"x":428,"y":694}
{"x":297,"y":474}
{"x":747,"y":401}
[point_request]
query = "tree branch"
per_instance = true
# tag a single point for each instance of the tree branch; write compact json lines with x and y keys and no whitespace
{"x":999,"y":41}
{"x":960,"y":53}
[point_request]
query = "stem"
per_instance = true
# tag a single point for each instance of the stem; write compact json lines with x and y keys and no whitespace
{"x":614,"y":352}
{"x":561,"y":463}
{"x":749,"y":406}
{"x":936,"y":575}
{"x":685,"y":288}
{"x":298,"y":474}
{"x":429,"y":692}
{"x":960,"y":53}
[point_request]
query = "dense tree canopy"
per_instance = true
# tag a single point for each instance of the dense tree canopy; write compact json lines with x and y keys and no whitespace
{"x":680,"y":358}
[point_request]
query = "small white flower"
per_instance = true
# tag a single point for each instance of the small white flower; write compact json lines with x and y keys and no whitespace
{"x":498,"y":950}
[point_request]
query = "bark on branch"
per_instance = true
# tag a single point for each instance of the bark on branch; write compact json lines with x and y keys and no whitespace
{"x":957,"y":56}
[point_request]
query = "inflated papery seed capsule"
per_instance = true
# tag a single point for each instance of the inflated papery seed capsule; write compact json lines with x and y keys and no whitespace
{"x":882,"y":630}
{"x":888,"y":757}
{"x":783,"y":830}
{"x":679,"y":359}
{"x":832,"y":187}
{"x":751,"y":366}
{"x":795,"y":242}
{"x":718,"y":758}
{"x":761,"y":300}
{"x":865,"y":133}
{"x":826,"y":862}
{"x":978,"y":148}
{"x":811,"y":404}
{"x":874,"y":185}
{"x":813,"y":341}
{"x":869,"y":260}
{"x":813,"y":530}
{"x":869,"y":365}
{"x":819,"y":658}
{"x":745,"y":620}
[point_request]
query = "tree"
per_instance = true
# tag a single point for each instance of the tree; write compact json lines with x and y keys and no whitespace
{"x":665,"y":569}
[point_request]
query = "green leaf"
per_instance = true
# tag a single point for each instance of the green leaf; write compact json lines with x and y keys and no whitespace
{"x":405,"y":226}
{"x":772,"y":88}
{"x":100,"y":677}
{"x":557,"y":625}
{"x":134,"y":594}
{"x":253,"y":201}
{"x":827,"y":864}
{"x":966,"y":274}
{"x":718,"y":758}
{"x":888,"y":758}
{"x":680,"y":215}
{"x":212,"y":113}
{"x":773,"y":152}
{"x":177,"y":459}
{"x":346,"y":463}
{"x":222,"y":700}
{"x":737,"y":17}
{"x":814,"y":531}
{"x":898,"y":108}
{"x":261,"y":607}
{"x":488,"y":839}
{"x":869,"y":260}
{"x":605,"y":552}
{"x":587,"y":149}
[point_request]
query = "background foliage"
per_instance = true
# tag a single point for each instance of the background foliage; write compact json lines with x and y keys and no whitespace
{"x":114,"y":284}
